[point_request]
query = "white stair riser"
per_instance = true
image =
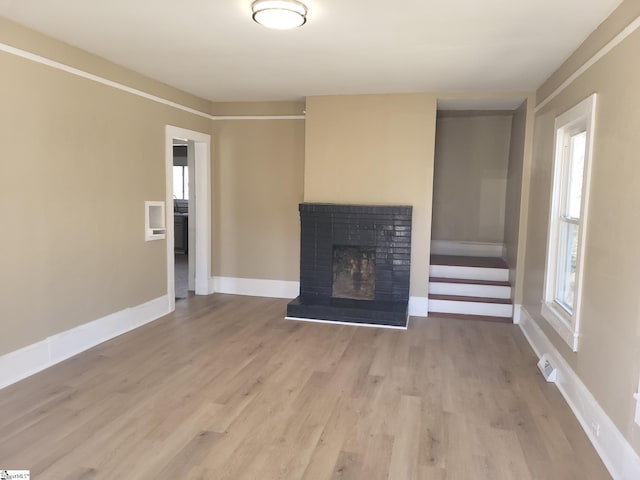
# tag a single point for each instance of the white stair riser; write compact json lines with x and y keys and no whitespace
{"x":471,"y":308}
{"x":469,"y":290}
{"x":470,"y":273}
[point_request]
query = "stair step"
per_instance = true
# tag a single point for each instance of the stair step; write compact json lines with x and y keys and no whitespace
{"x":470,"y":281}
{"x":460,"y":316}
{"x":461,"y":298}
{"x":470,"y":288}
{"x":491,"y":274}
{"x":492,"y":307}
{"x":464,"y":261}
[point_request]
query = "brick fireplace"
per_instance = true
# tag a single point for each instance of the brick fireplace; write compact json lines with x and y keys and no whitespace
{"x":354,"y":264}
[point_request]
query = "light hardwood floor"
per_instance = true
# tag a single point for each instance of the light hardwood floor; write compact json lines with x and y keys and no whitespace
{"x":225,"y":388}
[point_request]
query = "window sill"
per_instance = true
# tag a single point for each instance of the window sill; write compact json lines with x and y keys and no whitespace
{"x":561,"y":323}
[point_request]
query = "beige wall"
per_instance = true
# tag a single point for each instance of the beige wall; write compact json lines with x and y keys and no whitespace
{"x":608,"y":360}
{"x":78,"y":161}
{"x":258,"y":183}
{"x":375,"y":149}
{"x":32,"y":41}
{"x":514,"y":189}
{"x":470,"y":176}
{"x":617,"y":21}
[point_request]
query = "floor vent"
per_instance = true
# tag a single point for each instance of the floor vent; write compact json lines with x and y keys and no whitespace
{"x":549,"y":372}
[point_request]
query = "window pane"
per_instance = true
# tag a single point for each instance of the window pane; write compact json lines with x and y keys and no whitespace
{"x":185,"y":173}
{"x":567,"y":261}
{"x":178,"y":190}
{"x":577,"y":146}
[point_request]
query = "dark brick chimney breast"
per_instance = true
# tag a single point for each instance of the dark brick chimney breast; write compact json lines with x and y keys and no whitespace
{"x":354,"y":264}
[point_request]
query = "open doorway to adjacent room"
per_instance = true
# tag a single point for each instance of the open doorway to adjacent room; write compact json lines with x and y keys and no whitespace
{"x":183,"y":210}
{"x":188,"y":189}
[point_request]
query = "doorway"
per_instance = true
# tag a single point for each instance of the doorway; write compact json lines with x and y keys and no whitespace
{"x":183,"y":217}
{"x":188,"y":219}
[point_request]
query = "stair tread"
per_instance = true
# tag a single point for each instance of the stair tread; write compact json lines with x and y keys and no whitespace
{"x":494,"y":283}
{"x":463,"y":261}
{"x":462,"y":298}
{"x":463,"y":316}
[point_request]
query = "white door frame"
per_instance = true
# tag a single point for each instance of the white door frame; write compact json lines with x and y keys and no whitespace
{"x":202,"y":150}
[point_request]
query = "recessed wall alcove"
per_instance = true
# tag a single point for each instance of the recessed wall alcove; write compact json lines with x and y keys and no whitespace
{"x":354,"y":264}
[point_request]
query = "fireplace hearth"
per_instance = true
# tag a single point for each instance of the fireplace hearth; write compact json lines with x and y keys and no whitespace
{"x":354,"y":264}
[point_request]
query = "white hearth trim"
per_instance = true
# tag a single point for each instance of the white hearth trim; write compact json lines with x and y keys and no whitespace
{"x":351,"y":324}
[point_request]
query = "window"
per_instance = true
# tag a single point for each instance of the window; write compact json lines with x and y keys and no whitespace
{"x":567,"y":220}
{"x":181,"y":182}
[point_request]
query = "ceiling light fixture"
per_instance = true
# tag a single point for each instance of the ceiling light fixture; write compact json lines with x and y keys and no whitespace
{"x":279,"y":14}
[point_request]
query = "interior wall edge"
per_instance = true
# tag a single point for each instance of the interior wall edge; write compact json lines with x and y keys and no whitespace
{"x":525,"y":188}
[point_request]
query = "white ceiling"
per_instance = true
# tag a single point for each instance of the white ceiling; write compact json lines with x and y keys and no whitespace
{"x":213,"y":49}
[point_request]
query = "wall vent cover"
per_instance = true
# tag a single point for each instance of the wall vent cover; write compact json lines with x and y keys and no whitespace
{"x":549,"y":372}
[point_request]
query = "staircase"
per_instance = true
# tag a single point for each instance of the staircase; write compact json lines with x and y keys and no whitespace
{"x":475,"y":288}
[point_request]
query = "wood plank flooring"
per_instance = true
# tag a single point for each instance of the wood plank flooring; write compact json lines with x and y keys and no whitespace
{"x":225,"y":388}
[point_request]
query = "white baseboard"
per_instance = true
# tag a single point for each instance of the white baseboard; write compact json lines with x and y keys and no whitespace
{"x":418,"y":306}
{"x":517,"y":313}
{"x":19,"y":364}
{"x":255,"y":287}
{"x":615,"y":451}
{"x":467,"y":249}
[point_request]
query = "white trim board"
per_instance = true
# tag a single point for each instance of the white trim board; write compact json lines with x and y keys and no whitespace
{"x":615,"y":451}
{"x":134,"y":91}
{"x":469,"y":290}
{"x":257,"y":117}
{"x":22,"y":363}
{"x":467,"y":249}
{"x":469,"y":273}
{"x":350,"y":324}
{"x":418,"y":306}
{"x":637,"y":397}
{"x":471,"y":308}
{"x":615,"y":41}
{"x":255,"y":287}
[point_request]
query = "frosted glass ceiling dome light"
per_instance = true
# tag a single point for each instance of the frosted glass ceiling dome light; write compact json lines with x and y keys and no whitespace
{"x":279,"y":14}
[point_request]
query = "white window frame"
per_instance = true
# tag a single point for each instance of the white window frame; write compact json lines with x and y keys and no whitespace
{"x":579,"y":118}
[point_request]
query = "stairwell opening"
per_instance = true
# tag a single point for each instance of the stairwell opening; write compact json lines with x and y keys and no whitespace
{"x":477,"y":168}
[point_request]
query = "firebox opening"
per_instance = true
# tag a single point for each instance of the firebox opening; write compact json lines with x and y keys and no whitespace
{"x":354,"y":272}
